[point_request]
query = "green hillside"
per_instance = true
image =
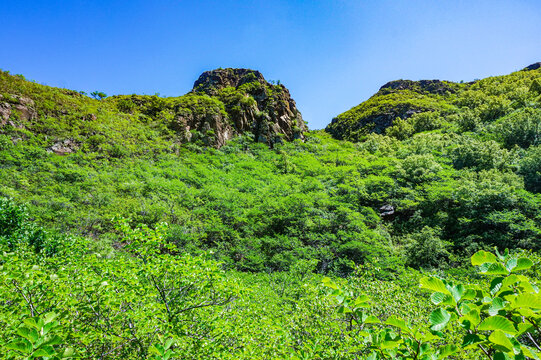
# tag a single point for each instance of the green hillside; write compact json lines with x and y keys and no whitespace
{"x":215,"y":225}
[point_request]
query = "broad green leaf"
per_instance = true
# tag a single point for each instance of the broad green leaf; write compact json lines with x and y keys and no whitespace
{"x":457,"y":291}
{"x":434,"y":284}
{"x":496,"y":285}
{"x":46,"y":351}
{"x":384,"y":345}
{"x":526,"y":312}
{"x":439,"y":319}
{"x":509,"y":280}
{"x":29,"y":334}
{"x":30,"y":322}
{"x":498,"y":337}
{"x":49,"y":317}
{"x":371,"y":319}
{"x":495,"y":269}
{"x":53,"y":340}
{"x":529,"y":352}
{"x":525,"y":301}
{"x":397,"y":322}
{"x":523,"y":264}
{"x":447,"y":350}
{"x":438,"y":298}
{"x":471,"y":340}
{"x":496,"y":306}
{"x":168,"y":344}
{"x":469,"y":294}
{"x":69,"y":352}
{"x":497,"y":323}
{"x":22,"y":345}
{"x":483,"y":257}
{"x":511,"y":264}
{"x":525,"y":327}
{"x":329,"y":283}
{"x":473,"y":317}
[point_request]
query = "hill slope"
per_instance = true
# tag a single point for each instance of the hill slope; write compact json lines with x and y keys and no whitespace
{"x":236,"y":102}
{"x":404,"y":107}
{"x":461,"y":173}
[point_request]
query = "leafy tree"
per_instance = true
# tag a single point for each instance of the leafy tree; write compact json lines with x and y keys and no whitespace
{"x":98,"y":95}
{"x":530,"y":168}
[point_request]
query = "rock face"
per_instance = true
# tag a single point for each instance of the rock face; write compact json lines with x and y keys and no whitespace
{"x":64,"y":147}
{"x":17,"y":108}
{"x":224,"y":103}
{"x":533,"y":66}
{"x":374,"y":123}
{"x":422,"y":86}
{"x":251,"y":104}
{"x":211,"y":82}
{"x":399,"y":99}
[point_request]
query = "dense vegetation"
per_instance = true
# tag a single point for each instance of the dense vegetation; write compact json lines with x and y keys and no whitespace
{"x":252,"y":230}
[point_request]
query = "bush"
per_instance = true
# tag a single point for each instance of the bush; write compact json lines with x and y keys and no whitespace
{"x":425,"y":249}
{"x":522,"y":128}
{"x":12,"y":217}
{"x":530,"y":168}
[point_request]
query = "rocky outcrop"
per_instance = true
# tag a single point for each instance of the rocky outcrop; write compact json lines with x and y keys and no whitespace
{"x":224,"y":103}
{"x":399,"y":99}
{"x":422,"y":86}
{"x":375,"y":123}
{"x":252,"y":105}
{"x":63,"y":147}
{"x":211,"y":82}
{"x":533,"y":66}
{"x":16,"y":108}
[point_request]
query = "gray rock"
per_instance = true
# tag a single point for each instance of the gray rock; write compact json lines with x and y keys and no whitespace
{"x":386,"y":210}
{"x":533,"y":66}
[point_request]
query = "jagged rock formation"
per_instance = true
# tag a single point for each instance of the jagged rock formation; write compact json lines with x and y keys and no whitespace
{"x":210,"y":82}
{"x":421,"y":86}
{"x":225,"y":103}
{"x":252,"y":105}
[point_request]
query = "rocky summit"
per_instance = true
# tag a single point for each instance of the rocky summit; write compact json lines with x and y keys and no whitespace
{"x":251,"y":104}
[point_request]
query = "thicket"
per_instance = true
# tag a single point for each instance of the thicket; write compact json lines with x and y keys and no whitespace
{"x":150,"y":300}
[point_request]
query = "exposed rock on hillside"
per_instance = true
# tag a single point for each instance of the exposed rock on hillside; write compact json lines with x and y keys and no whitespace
{"x":225,"y":103}
{"x":399,"y":99}
{"x":252,"y":105}
{"x":402,"y":108}
{"x":211,"y":82}
{"x":533,"y":66}
{"x":16,"y":107}
{"x":422,"y":86}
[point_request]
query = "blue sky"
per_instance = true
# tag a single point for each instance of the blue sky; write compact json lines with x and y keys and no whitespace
{"x":330,"y":54}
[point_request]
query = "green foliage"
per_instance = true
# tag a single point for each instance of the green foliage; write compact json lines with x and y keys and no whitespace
{"x":530,"y":168}
{"x":98,"y":95}
{"x":236,"y":274}
{"x":497,"y":321}
{"x":12,"y":217}
{"x":426,"y":249}
{"x":522,"y":128}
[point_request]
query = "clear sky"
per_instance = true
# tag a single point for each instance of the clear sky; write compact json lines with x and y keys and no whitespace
{"x":330,"y":54}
